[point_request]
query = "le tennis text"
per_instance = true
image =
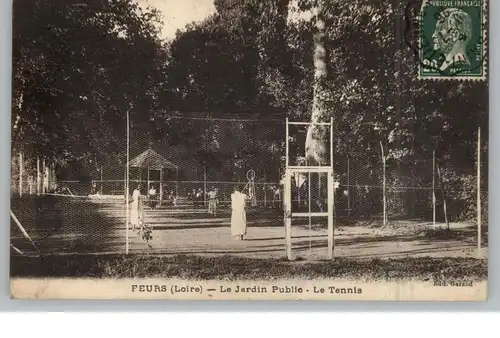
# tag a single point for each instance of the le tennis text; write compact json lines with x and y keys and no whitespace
{"x":333,"y":289}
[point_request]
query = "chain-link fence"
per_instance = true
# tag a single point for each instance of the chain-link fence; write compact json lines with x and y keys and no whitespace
{"x":366,"y":191}
{"x":87,"y":206}
{"x":264,"y":194}
{"x":418,"y":190}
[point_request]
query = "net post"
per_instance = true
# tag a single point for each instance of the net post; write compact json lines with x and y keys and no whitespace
{"x":383,"y":185}
{"x":44,"y":172}
{"x":205,"y":185}
{"x":348,"y":187}
{"x":434,"y":187}
{"x":265,"y":189}
{"x":288,"y":215}
{"x":176,"y":184}
{"x":161,"y":186}
{"x":101,"y":188}
{"x":287,"y":199}
{"x":478,"y":191}
{"x":286,"y":143}
{"x":331,"y":211}
{"x":21,"y":170}
{"x":296,"y":178}
{"x":265,"y":195}
{"x":38,"y":175}
{"x":127,"y":188}
{"x":331,"y":142}
{"x":309,"y":205}
{"x":331,"y":199}
{"x":147,"y":188}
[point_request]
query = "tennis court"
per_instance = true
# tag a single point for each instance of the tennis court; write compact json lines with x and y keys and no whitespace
{"x":70,"y":225}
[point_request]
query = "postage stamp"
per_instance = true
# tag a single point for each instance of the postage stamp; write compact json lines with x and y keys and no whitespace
{"x":453,"y":42}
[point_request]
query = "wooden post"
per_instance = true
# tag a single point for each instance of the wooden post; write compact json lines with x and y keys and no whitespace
{"x":127,"y":187}
{"x":177,"y":184}
{"x":443,"y":194}
{"x":478,"y":191}
{"x":281,"y":189}
{"x":348,"y":189}
{"x":265,"y":195}
{"x":43,"y":176}
{"x":331,"y":200}
{"x":265,"y":190}
{"x":286,"y":145}
{"x":309,"y":183}
{"x":147,"y":188}
{"x":298,"y":188}
{"x":21,"y":172}
{"x":161,"y":185}
{"x":434,"y":187}
{"x":101,"y":188}
{"x":383,"y":185}
{"x":51,"y":177}
{"x":319,"y":196}
{"x":38,"y":176}
{"x":331,"y":142}
{"x":287,"y":198}
{"x":331,"y":213}
{"x":205,"y":185}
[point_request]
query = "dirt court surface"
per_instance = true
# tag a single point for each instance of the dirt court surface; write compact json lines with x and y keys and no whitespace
{"x":97,"y":227}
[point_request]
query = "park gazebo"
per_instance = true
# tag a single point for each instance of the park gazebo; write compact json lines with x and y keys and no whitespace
{"x":151,"y":161}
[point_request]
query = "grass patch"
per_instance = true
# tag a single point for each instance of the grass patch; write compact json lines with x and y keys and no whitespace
{"x":239,"y":268}
{"x":443,"y":234}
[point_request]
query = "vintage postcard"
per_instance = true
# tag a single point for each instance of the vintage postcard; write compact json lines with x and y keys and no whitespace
{"x":250,"y":150}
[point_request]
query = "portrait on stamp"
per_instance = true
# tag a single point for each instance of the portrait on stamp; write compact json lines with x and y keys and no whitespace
{"x":452,"y":42}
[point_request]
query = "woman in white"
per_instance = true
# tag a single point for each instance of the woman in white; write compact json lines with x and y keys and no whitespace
{"x":136,"y":211}
{"x":238,"y":214}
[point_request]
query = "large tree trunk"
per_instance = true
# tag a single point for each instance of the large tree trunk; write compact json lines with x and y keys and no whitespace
{"x":317,"y":136}
{"x":316,"y":139}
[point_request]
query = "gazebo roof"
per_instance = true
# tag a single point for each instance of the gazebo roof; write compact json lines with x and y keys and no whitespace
{"x":151,"y":159}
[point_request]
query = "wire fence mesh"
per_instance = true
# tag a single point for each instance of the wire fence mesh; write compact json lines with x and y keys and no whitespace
{"x":75,"y":214}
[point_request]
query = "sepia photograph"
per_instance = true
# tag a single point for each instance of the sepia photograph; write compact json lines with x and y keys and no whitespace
{"x":249,"y":150}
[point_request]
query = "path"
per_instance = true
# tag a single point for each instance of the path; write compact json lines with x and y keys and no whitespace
{"x":186,"y":230}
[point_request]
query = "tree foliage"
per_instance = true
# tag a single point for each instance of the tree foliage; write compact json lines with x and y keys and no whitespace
{"x":77,"y":69}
